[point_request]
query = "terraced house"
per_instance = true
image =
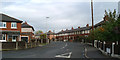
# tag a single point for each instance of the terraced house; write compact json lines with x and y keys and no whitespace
{"x":10,"y":28}
{"x":71,"y":35}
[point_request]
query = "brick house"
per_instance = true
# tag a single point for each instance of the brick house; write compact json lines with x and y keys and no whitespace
{"x":10,"y":28}
{"x":51,"y":35}
{"x":70,"y":35}
{"x":27,"y":32}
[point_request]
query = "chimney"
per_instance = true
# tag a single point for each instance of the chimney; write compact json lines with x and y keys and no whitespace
{"x":25,"y":22}
{"x":49,"y":30}
{"x":66,"y":29}
{"x":79,"y":27}
{"x":72,"y":28}
{"x":87,"y":25}
{"x":106,"y":18}
{"x":61,"y":30}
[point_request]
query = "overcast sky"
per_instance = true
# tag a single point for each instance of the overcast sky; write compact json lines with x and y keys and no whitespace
{"x":63,"y":14}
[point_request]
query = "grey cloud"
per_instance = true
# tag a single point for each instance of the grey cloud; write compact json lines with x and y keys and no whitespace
{"x":62,"y":15}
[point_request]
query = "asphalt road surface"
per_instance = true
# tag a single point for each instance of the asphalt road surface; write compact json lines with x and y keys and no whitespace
{"x":57,"y":50}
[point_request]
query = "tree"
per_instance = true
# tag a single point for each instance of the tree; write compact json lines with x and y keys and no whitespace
{"x":43,"y":36}
{"x":109,"y":31}
{"x":38,"y":32}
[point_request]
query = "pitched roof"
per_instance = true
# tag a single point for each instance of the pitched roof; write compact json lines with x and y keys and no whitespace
{"x":50,"y":33}
{"x":6,"y":18}
{"x":26,"y":25}
{"x":74,"y":30}
{"x":99,"y":24}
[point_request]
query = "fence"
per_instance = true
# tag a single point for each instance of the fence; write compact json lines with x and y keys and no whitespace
{"x":21,"y":45}
{"x":109,"y":48}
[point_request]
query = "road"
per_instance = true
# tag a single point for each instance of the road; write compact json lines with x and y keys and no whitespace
{"x":56,"y":50}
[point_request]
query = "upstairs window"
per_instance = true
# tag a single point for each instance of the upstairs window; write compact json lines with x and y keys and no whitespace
{"x":2,"y":24}
{"x":13,"y":25}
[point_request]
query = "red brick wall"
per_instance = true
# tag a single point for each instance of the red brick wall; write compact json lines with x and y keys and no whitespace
{"x":8,"y":25}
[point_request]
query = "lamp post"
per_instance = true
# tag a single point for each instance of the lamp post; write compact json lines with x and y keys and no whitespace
{"x":54,"y":35}
{"x":47,"y":29}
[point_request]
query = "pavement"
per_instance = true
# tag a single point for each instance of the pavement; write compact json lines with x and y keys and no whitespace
{"x":57,"y":50}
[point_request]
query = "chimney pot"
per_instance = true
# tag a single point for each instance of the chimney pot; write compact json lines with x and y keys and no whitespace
{"x":25,"y":22}
{"x":49,"y":30}
{"x":106,"y":18}
{"x":79,"y":27}
{"x":72,"y":28}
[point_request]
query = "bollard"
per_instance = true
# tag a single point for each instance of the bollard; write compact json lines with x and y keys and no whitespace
{"x":41,"y":40}
{"x":112,"y":49}
{"x":26,"y":45}
{"x":104,"y":45}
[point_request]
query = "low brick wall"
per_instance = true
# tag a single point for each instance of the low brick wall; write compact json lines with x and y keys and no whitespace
{"x":12,"y":45}
{"x":20,"y":45}
{"x":8,"y":45}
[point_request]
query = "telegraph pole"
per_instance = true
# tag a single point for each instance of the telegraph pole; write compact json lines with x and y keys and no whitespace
{"x":92,"y":21}
{"x":92,"y":14}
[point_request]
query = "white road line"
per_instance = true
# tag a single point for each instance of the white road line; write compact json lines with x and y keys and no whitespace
{"x":64,"y":46}
{"x":70,"y":54}
{"x":86,"y":53}
{"x":62,"y":55}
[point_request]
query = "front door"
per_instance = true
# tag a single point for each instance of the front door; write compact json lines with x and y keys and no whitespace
{"x":14,"y":38}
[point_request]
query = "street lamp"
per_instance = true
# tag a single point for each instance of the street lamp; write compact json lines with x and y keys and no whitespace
{"x":46,"y":29}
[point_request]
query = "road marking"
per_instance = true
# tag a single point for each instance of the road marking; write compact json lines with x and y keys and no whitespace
{"x":67,"y":49}
{"x":62,"y":55}
{"x":86,"y":53}
{"x":66,"y":45}
{"x":62,"y":48}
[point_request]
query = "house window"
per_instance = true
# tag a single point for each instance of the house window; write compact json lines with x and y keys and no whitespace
{"x":3,"y":36}
{"x":2,"y":24}
{"x":88,"y":31}
{"x":13,"y":25}
{"x":83,"y":32}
